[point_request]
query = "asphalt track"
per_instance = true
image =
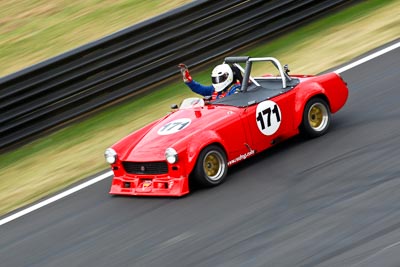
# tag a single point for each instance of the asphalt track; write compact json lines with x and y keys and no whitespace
{"x":331,"y":201}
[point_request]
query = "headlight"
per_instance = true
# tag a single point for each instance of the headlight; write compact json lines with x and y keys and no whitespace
{"x":171,"y":155}
{"x":110,"y":155}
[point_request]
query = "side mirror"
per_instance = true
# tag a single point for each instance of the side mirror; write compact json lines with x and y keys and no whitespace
{"x":174,"y":106}
{"x":286,"y":68}
{"x":286,"y":71}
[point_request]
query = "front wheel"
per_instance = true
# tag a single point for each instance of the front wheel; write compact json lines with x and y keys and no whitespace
{"x":211,"y":167}
{"x":316,"y":118}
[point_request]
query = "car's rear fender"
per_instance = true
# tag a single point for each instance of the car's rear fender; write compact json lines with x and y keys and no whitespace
{"x":330,"y":87}
{"x":336,"y":90}
{"x":306,"y":91}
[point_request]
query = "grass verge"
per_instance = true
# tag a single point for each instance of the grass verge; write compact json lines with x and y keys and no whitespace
{"x":69,"y":155}
{"x":32,"y":31}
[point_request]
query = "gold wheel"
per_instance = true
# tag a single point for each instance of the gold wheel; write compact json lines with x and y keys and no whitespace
{"x":213,"y":165}
{"x":318,"y":117}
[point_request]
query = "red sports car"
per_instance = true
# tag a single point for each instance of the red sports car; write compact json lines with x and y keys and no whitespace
{"x":200,"y":140}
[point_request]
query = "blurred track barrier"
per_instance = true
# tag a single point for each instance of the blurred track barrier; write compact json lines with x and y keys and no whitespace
{"x":66,"y":87}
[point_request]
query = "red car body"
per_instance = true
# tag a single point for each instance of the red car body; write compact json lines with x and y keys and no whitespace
{"x":236,"y":127}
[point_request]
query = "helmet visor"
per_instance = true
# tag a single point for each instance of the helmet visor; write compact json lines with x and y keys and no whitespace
{"x":220,"y":78}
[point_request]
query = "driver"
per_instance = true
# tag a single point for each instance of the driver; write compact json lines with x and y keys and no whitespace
{"x":225,"y":81}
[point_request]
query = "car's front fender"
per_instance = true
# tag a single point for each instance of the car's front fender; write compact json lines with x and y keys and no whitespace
{"x":198,"y":142}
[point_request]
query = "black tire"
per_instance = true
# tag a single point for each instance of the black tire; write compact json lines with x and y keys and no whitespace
{"x":211,"y":167}
{"x":316,"y":118}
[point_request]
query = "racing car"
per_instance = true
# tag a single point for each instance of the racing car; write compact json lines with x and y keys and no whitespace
{"x":200,"y":140}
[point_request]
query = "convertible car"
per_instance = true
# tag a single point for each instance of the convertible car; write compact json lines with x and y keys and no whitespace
{"x":198,"y":141}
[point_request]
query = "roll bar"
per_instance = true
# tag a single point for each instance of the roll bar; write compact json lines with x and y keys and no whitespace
{"x":249,"y":60}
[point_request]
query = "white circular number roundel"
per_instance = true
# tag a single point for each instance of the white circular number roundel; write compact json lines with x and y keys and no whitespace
{"x":174,"y":126}
{"x":268,"y":117}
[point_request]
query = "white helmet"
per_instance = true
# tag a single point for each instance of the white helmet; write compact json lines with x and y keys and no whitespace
{"x":221,"y":77}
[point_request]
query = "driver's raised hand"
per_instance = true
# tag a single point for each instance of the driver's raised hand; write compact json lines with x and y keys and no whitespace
{"x":185,"y":73}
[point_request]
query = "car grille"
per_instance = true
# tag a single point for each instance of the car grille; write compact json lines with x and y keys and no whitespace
{"x":145,"y":167}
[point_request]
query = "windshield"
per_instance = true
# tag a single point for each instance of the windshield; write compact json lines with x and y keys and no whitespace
{"x":192,"y":102}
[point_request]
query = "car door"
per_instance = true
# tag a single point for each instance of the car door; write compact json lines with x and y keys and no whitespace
{"x":270,"y":121}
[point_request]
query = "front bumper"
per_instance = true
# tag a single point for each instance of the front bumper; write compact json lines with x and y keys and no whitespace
{"x":147,"y":185}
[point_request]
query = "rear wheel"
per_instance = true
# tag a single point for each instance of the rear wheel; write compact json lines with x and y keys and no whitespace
{"x":316,"y":118}
{"x":211,"y":167}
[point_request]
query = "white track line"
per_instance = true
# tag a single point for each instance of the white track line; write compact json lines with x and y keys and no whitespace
{"x":369,"y":57}
{"x":55,"y":198}
{"x":108,"y":174}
